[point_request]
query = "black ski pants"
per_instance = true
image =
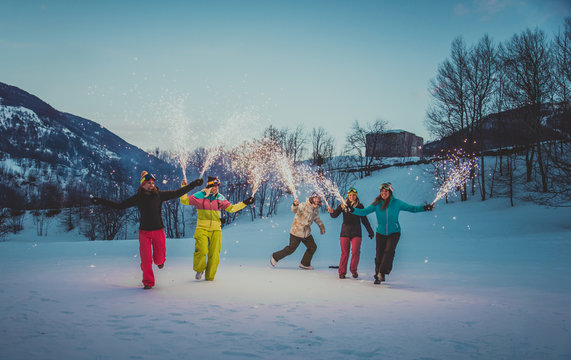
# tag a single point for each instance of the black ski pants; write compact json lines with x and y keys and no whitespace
{"x":293,"y":244}
{"x":386,"y":246}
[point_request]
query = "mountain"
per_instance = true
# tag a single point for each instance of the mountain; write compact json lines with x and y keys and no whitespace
{"x":46,"y":150}
{"x":508,"y":128}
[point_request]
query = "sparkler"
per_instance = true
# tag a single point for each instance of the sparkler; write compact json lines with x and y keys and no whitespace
{"x":458,"y":176}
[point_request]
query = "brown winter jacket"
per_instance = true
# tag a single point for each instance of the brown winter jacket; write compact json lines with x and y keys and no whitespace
{"x":305,"y":215}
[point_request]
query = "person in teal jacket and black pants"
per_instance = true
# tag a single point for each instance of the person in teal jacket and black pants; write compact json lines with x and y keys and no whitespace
{"x":387,"y":209}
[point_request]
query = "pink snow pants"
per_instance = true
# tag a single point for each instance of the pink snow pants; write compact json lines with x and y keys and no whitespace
{"x":355,"y":245}
{"x":152,"y":246}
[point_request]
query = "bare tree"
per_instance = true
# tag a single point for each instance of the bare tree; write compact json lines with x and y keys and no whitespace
{"x":528,"y":64}
{"x":323,"y":146}
{"x":357,"y":143}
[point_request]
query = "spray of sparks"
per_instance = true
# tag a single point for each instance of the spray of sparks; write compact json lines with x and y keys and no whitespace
{"x":212,"y":154}
{"x":461,"y":172}
{"x":286,"y":170}
{"x":252,"y":159}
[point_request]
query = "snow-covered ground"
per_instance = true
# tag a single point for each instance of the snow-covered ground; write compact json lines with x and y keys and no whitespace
{"x":472,"y":280}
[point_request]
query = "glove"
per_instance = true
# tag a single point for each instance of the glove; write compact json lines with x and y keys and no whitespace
{"x":428,"y":207}
{"x":197,"y":182}
{"x":249,"y":200}
{"x":94,"y":200}
{"x":371,"y":235}
{"x":322,"y":229}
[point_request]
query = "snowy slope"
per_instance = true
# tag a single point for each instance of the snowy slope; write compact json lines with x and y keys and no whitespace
{"x":473,"y":280}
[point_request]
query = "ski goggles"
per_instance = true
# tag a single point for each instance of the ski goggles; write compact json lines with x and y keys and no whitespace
{"x":148,"y":177}
{"x":386,"y":186}
{"x":214,"y":182}
{"x":352,"y":191}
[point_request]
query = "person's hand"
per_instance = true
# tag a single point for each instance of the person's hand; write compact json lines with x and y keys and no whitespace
{"x":371,"y":235}
{"x":197,"y":182}
{"x":428,"y":207}
{"x":296,"y":202}
{"x":330,"y":209}
{"x":322,"y":229}
{"x":183,"y":183}
{"x":249,"y":200}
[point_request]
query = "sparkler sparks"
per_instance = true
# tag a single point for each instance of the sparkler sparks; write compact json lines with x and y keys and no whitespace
{"x":462,"y":171}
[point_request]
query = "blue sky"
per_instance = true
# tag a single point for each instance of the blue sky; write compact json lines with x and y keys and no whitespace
{"x":231,"y":68}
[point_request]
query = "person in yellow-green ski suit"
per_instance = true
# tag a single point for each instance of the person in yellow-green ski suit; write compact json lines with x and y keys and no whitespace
{"x":208,"y":234}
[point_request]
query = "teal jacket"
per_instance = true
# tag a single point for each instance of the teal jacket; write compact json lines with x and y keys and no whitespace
{"x":388,"y":219}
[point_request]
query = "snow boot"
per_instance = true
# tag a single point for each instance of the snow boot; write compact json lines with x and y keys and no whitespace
{"x":301,"y":266}
{"x":147,"y":287}
{"x":341,"y":276}
{"x":161,"y":266}
{"x":355,"y":275}
{"x":198,"y":275}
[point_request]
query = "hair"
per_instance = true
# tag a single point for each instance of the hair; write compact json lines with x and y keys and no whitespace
{"x":385,"y":202}
{"x":356,"y":201}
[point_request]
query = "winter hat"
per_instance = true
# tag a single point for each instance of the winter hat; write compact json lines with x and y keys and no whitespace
{"x":352,"y":190}
{"x":386,"y":186}
{"x":145,"y":176}
{"x":212,"y":181}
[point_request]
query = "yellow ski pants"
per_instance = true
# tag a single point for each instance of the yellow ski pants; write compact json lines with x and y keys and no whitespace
{"x":207,"y":251}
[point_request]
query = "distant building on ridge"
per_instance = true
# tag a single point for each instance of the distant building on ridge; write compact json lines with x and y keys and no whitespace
{"x":394,"y":143}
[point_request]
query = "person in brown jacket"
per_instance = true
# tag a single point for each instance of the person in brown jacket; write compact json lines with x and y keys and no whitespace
{"x":305,"y":214}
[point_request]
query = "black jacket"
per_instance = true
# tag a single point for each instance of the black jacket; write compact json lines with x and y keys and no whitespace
{"x":352,"y":223}
{"x":149,"y":204}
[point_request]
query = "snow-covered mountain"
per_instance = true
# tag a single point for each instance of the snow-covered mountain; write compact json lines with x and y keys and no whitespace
{"x":41,"y":146}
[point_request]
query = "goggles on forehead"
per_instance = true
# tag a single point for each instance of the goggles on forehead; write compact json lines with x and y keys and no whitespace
{"x":352,"y":191}
{"x":386,"y":186}
{"x":214,"y":182}
{"x":148,"y":177}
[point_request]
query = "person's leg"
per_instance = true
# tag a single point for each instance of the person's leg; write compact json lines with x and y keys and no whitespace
{"x":146,"y":255}
{"x":355,"y":254}
{"x":200,"y":250}
{"x":389,"y":253}
{"x":345,"y":246}
{"x":214,"y":246}
{"x":289,"y":249}
{"x":311,"y":248}
{"x":159,"y":246}
{"x":381,"y":241}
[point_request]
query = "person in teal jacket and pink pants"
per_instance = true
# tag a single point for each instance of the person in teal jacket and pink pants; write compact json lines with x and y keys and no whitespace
{"x":387,"y":209}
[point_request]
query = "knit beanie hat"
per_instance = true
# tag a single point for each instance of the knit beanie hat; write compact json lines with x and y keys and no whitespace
{"x":352,"y":190}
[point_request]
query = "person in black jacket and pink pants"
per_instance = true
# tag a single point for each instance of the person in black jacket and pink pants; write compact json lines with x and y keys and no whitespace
{"x":152,"y":242}
{"x":351,"y":233}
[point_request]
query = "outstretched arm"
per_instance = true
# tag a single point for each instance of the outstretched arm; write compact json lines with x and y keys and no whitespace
{"x":173,"y":194}
{"x":364,"y":212}
{"x":132,"y":201}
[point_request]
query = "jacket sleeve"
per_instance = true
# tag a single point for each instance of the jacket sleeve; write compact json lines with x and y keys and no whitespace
{"x":367,"y":224}
{"x":127,"y":203}
{"x":319,"y":223}
{"x":186,"y":199}
{"x":410,"y":208}
{"x":173,"y":194}
{"x":232,"y":208}
{"x":364,"y":212}
{"x":336,"y":212}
